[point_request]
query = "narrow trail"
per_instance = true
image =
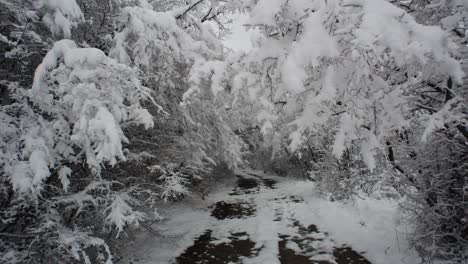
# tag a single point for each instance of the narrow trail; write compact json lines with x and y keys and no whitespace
{"x":283,"y":238}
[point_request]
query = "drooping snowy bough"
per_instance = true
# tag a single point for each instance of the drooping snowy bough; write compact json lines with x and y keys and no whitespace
{"x":75,"y":111}
{"x":86,"y":98}
{"x":353,"y":64}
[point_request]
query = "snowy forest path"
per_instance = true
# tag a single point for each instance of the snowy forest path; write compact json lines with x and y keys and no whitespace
{"x":280,"y":237}
{"x":258,"y":221}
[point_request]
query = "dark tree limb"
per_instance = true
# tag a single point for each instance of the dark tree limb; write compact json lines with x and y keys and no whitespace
{"x":22,"y":236}
{"x":188,"y":8}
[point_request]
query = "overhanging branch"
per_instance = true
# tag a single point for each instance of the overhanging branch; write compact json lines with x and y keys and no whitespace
{"x":185,"y":10}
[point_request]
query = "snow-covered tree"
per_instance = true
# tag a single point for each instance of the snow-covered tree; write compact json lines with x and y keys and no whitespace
{"x":432,"y":153}
{"x":74,"y":112}
{"x":167,"y":45}
{"x":334,"y":61}
{"x":85,"y":103}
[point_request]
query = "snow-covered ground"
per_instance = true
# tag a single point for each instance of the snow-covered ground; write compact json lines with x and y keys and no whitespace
{"x":268,"y":219}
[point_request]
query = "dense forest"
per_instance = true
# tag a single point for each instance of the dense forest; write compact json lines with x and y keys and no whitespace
{"x":110,"y":109}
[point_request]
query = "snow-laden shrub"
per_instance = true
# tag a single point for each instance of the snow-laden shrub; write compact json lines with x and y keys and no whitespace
{"x":59,"y":16}
{"x":80,"y":98}
{"x":438,"y":195}
{"x":173,"y":59}
{"x":121,"y":213}
{"x":55,"y":140}
{"x":173,"y":180}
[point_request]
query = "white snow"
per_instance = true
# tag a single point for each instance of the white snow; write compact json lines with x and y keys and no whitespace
{"x":122,"y":214}
{"x":64,"y":175}
{"x":61,"y":15}
{"x":382,"y":21}
{"x":314,"y":44}
{"x":373,"y":225}
{"x":265,"y":10}
{"x":345,"y":134}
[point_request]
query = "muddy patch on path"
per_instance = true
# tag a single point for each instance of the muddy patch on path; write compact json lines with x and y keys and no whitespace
{"x":209,"y":250}
{"x":252,"y":185}
{"x":303,"y":247}
{"x":290,"y":198}
{"x":310,"y":246}
{"x":346,"y":255}
{"x":289,"y":255}
{"x":245,"y":186}
{"x":231,"y":210}
{"x":269,"y":183}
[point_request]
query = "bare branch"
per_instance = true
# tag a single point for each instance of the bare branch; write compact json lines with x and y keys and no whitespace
{"x":186,"y":9}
